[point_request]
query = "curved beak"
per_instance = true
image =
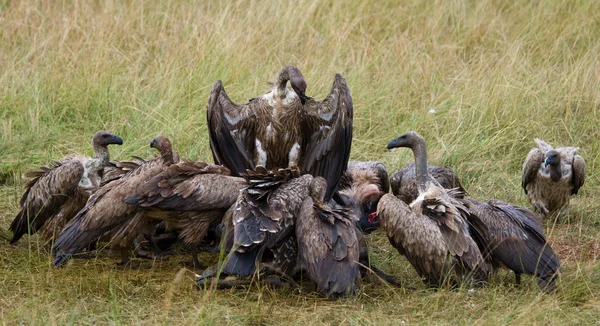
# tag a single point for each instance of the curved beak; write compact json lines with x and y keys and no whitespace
{"x":117,"y":140}
{"x":394,"y":143}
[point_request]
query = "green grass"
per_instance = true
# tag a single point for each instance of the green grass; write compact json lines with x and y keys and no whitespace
{"x":498,"y":74}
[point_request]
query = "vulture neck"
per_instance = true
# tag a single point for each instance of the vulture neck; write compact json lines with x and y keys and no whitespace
{"x":102,"y":154}
{"x":282,"y":79}
{"x":420,"y":153}
{"x":555,"y":173}
{"x":167,"y":156}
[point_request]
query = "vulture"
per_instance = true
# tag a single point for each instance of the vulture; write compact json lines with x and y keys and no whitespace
{"x":271,"y":141}
{"x":361,"y":186}
{"x":283,"y":128}
{"x":404,"y":182}
{"x":191,"y":197}
{"x":516,"y":240}
{"x":56,"y":194}
{"x":106,"y":215}
{"x":436,"y":232}
{"x":550,"y":176}
{"x":328,"y":248}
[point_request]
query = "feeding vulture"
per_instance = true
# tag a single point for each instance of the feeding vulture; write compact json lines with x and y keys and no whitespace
{"x":106,"y":215}
{"x":56,"y":194}
{"x":550,"y":176}
{"x":436,"y":232}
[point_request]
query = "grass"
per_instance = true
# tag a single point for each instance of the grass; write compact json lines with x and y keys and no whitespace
{"x":497,"y":74}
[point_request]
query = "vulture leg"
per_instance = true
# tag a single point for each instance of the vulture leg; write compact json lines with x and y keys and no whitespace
{"x":390,"y":280}
{"x":197,"y":265}
{"x":517,"y":279}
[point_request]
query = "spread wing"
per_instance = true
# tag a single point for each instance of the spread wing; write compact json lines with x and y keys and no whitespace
{"x":578,"y":173}
{"x":231,"y":130}
{"x":327,"y":135}
{"x":531,"y":166}
{"x":46,"y":193}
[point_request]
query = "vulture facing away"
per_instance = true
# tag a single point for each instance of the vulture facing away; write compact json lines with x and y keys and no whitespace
{"x":516,"y":241}
{"x":328,"y":247}
{"x":436,"y":232}
{"x":56,"y":194}
{"x":106,"y":215}
{"x":550,"y":176}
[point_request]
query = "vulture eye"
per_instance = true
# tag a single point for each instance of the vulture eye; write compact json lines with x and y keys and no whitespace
{"x":105,"y":136}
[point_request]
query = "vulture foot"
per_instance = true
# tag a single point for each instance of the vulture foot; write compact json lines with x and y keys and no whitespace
{"x":233,"y":281}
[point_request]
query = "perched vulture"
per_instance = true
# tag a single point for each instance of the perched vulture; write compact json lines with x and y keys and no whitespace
{"x":56,"y":194}
{"x":550,"y":176}
{"x":328,"y":248}
{"x":436,"y":232}
{"x":284,"y":128}
{"x":107,"y":216}
{"x":361,"y":187}
{"x":404,"y":182}
{"x":516,"y":241}
{"x":191,"y":197}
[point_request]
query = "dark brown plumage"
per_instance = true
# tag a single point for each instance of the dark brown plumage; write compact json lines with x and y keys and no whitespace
{"x":328,"y":248}
{"x":191,"y":197}
{"x":516,"y":241}
{"x":284,"y":128}
{"x":56,"y":194}
{"x":404,"y":184}
{"x":436,"y":231}
{"x":106,"y":215}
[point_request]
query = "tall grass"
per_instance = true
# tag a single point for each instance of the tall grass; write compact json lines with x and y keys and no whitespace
{"x":496,"y":74}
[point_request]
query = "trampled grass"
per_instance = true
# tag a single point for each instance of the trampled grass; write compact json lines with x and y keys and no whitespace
{"x":496,"y":73}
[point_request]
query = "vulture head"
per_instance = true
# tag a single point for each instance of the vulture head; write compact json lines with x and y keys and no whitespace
{"x":163,"y":145}
{"x":105,"y":138}
{"x":552,"y":159}
{"x":364,"y":195}
{"x":408,"y":139}
{"x":297,"y":81}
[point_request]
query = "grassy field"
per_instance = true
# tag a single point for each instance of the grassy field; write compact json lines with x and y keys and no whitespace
{"x":497,"y":74}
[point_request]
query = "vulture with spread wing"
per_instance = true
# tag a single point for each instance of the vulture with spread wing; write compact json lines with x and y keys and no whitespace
{"x":56,"y":194}
{"x":436,"y":232}
{"x":271,"y":141}
{"x":550,"y":176}
{"x":106,"y":215}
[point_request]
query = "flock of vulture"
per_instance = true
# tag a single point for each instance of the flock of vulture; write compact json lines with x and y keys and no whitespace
{"x":282,"y":200}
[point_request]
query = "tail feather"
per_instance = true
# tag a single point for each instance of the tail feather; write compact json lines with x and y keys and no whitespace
{"x":241,"y":263}
{"x":72,"y":240}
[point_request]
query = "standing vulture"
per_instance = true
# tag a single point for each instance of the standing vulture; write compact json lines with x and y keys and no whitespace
{"x":56,"y":194}
{"x":436,"y":231}
{"x":106,"y":215}
{"x":404,"y":182}
{"x":191,"y":197}
{"x":267,"y":141}
{"x":328,"y":247}
{"x":516,"y":241}
{"x":550,"y":176}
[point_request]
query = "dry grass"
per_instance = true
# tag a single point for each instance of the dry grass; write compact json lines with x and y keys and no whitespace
{"x":497,"y":73}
